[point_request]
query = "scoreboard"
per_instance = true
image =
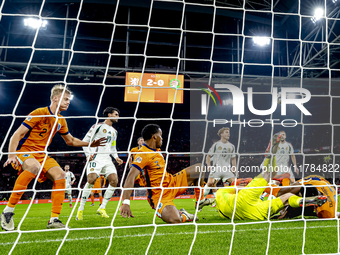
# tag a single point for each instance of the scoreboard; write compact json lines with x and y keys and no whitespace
{"x":156,"y":88}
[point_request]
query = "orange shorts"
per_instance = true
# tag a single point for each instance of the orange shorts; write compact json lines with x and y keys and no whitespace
{"x":178,"y":180}
{"x":49,"y":163}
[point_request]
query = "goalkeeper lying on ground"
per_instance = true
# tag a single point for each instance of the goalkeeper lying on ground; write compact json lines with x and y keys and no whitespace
{"x":248,"y":203}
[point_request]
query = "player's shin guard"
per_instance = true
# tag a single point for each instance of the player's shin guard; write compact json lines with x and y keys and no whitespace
{"x":108,"y":194}
{"x":85,"y":195}
{"x":21,"y":184}
{"x":57,"y":197}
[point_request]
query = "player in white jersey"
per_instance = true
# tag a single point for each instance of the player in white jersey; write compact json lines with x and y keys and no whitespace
{"x":100,"y":162}
{"x":282,"y":157}
{"x":69,"y":180}
{"x":222,"y":153}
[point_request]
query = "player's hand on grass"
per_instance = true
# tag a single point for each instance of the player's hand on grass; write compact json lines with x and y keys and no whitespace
{"x":12,"y":158}
{"x":99,"y":142}
{"x":119,"y":161}
{"x":125,"y":211}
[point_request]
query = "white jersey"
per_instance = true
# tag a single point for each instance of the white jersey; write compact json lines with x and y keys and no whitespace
{"x":98,"y":131}
{"x":222,"y":153}
{"x":282,"y":155}
{"x":68,"y":178}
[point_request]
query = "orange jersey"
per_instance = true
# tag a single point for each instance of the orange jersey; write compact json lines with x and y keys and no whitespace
{"x":328,"y":209}
{"x":40,"y":129}
{"x":134,"y":150}
{"x":98,"y":183}
{"x":151,"y":167}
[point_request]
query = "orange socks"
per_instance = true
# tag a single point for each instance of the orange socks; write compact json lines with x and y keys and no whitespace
{"x":21,"y":184}
{"x":92,"y":199}
{"x":101,"y":199}
{"x":285,"y":182}
{"x":57,"y":197}
{"x":197,"y":194}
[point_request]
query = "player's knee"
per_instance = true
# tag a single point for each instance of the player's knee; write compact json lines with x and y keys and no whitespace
{"x":114,"y":182}
{"x":210,"y":184}
{"x":61,"y":175}
{"x":91,"y":179}
{"x":32,"y":167}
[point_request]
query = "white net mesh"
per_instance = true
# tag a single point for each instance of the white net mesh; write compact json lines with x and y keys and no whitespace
{"x":89,"y":46}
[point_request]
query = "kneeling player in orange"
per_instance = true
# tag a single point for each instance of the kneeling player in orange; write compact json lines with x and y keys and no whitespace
{"x":100,"y":183}
{"x":34,"y":135}
{"x":150,"y":164}
{"x":315,"y":185}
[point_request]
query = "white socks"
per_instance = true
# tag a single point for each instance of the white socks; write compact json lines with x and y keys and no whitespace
{"x":108,"y":194}
{"x":85,"y":195}
{"x":8,"y":209}
{"x":69,"y":198}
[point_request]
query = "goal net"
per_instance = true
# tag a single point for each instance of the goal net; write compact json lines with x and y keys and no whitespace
{"x":193,"y":67}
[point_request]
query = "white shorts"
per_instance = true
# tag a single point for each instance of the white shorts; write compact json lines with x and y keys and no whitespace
{"x":101,"y":167}
{"x":67,"y":189}
{"x":225,"y":174}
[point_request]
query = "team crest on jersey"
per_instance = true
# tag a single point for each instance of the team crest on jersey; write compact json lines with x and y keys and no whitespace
{"x":228,"y":149}
{"x":59,"y":126}
{"x":92,"y":169}
{"x":220,"y":148}
{"x":286,"y":148}
{"x":29,"y":118}
{"x":104,"y":131}
{"x":138,"y":160}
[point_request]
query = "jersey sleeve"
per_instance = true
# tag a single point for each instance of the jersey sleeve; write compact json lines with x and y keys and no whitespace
{"x":140,"y":161}
{"x":113,"y":146}
{"x":31,"y":121}
{"x":291,"y":149}
{"x":87,"y":138}
{"x":63,"y":129}
{"x":233,"y":155}
{"x":212,"y":150}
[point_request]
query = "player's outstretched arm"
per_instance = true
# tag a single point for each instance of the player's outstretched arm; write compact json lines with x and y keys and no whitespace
{"x":72,"y":141}
{"x":125,"y":210}
{"x":13,"y":144}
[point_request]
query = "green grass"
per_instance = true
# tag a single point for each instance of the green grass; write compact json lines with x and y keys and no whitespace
{"x":216,"y":238}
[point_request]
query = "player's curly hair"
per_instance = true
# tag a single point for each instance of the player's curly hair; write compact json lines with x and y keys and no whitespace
{"x":222,"y":130}
{"x":149,"y":130}
{"x":58,"y":89}
{"x":110,"y":110}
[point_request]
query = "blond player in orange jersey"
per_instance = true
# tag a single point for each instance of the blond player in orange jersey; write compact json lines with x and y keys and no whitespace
{"x":35,"y":134}
{"x":150,"y":165}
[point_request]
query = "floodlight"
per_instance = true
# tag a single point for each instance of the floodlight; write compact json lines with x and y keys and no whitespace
{"x":261,"y":40}
{"x":318,"y":14}
{"x":35,"y":23}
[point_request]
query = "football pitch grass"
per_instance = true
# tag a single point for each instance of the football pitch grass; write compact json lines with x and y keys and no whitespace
{"x":321,"y":236}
